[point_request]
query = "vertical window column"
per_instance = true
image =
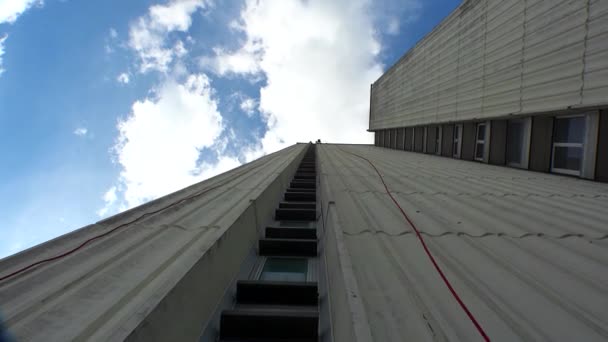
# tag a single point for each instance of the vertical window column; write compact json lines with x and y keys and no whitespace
{"x":280,"y":299}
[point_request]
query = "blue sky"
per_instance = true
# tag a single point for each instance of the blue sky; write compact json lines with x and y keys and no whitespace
{"x":105,"y":105}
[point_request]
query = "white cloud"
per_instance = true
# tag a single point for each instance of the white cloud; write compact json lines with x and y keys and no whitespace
{"x":318,"y":65}
{"x":248,"y":105}
{"x":123,"y":78}
{"x":110,"y":199}
{"x":10,"y":10}
{"x":243,"y":61}
{"x":148,"y":34}
{"x":113,"y":33}
{"x":2,"y":40}
{"x":317,"y":59}
{"x":159,"y":142}
{"x":81,"y":131}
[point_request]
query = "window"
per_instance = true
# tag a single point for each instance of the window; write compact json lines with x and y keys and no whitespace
{"x":518,"y":139}
{"x":568,"y":145}
{"x":285,"y":269}
{"x":480,"y":142}
{"x":457,"y":141}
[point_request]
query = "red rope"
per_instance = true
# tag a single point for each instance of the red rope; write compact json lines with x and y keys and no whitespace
{"x":86,"y":242}
{"x":428,"y":253}
{"x":73,"y":250}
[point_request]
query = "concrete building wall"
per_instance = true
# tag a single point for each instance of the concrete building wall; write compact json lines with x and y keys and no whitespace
{"x":535,"y":281}
{"x":498,"y":142}
{"x":601,"y":166}
{"x":493,"y":58}
{"x":155,"y":272}
{"x":540,"y":143}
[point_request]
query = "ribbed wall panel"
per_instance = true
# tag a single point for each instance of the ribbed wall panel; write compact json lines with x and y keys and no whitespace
{"x":526,"y":251}
{"x":492,"y":58}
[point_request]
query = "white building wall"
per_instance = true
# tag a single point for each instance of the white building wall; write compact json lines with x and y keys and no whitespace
{"x":493,"y":58}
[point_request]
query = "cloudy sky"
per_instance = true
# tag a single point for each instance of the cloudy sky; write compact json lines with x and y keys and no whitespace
{"x":105,"y":105}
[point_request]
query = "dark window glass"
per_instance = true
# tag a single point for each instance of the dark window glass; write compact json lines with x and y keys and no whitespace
{"x":437,"y":139}
{"x":479,"y":151}
{"x":285,"y":269}
{"x":515,"y":140}
{"x":568,"y":158}
{"x":569,"y":130}
{"x":481,"y":132}
{"x":456,"y":131}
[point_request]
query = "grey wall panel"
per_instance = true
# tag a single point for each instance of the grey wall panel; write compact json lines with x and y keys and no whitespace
{"x":493,"y":58}
{"x":418,"y":138}
{"x":498,"y":142}
{"x":601,"y":163}
{"x":540,"y":143}
{"x":400,"y":137}
{"x":468,"y":141}
{"x":595,"y":89}
{"x":431,"y":140}
{"x":447,"y":140}
{"x":409,"y":131}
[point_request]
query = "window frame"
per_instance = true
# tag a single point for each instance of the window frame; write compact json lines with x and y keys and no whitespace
{"x":425,"y":136}
{"x":580,"y":145}
{"x":458,"y":141}
{"x":438,"y":138}
{"x":482,"y":142}
{"x":310,"y":267}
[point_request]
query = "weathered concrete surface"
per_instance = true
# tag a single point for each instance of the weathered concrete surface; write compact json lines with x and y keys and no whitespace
{"x":158,"y":278}
{"x":527,"y":252}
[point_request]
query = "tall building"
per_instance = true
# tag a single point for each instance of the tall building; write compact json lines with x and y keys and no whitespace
{"x":336,"y":242}
{"x":246,"y":253}
{"x":517,"y":83}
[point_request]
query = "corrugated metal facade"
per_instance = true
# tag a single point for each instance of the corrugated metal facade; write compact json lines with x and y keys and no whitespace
{"x":493,"y":58}
{"x":526,"y":251}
